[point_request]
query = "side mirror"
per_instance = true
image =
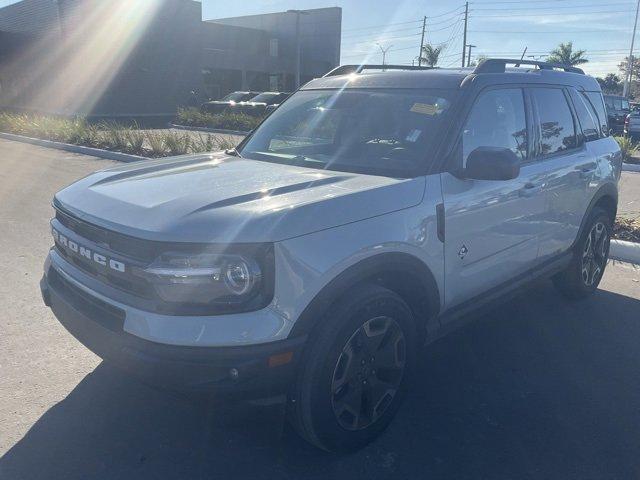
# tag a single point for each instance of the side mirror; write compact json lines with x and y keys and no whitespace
{"x":492,"y":163}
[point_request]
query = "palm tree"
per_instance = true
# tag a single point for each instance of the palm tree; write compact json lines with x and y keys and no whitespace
{"x":430,"y":55}
{"x":565,"y":55}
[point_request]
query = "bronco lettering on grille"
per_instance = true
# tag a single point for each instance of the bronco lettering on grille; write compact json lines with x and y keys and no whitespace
{"x":81,"y":250}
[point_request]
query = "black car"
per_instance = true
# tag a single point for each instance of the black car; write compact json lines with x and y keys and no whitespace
{"x":618,"y":108}
{"x":257,"y":106}
{"x":219,"y":106}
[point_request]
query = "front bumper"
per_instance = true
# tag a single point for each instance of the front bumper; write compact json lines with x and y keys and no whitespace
{"x":254,"y":371}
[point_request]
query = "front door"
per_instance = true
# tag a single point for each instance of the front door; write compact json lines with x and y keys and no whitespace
{"x":492,"y":227}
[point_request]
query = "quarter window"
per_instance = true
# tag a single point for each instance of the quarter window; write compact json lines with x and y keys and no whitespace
{"x":497,"y":120}
{"x":596,"y":101}
{"x":587,"y":117}
{"x":556,"y":128}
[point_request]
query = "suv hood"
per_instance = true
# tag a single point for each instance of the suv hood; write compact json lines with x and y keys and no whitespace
{"x":223,"y":199}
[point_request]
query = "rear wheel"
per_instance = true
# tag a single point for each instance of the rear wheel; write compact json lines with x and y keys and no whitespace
{"x":355,"y":373}
{"x":582,"y":276}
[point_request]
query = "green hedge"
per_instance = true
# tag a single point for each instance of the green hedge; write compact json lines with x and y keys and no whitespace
{"x":192,"y":117}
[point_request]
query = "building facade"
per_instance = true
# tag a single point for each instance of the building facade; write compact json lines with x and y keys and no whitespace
{"x":117,"y":58}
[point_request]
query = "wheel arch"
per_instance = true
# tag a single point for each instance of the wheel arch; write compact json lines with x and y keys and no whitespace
{"x":401,"y":273}
{"x":606,"y":197}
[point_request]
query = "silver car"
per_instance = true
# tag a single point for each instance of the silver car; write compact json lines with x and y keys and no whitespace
{"x":365,"y":217}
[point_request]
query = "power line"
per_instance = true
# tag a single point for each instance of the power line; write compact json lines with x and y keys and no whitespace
{"x":412,"y":29}
{"x":518,"y":15}
{"x":383,"y":25}
{"x":552,"y":7}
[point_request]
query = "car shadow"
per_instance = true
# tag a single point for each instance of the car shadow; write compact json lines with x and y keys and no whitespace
{"x":538,"y":388}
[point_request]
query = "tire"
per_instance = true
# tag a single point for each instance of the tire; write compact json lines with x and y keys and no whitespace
{"x":582,"y":277}
{"x":368,"y":321}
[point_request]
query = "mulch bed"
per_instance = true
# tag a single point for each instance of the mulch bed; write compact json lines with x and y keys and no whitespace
{"x":627,"y":230}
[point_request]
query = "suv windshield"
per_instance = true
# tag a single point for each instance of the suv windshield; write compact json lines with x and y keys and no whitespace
{"x":386,"y":132}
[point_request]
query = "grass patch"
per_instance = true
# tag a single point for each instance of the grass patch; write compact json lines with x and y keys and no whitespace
{"x":192,"y":117}
{"x":112,"y":136}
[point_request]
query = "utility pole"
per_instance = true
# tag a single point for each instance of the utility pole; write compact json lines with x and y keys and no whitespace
{"x":384,"y":53}
{"x":424,"y":27}
{"x":627,"y":77}
{"x":469,"y":57}
{"x":464,"y":38}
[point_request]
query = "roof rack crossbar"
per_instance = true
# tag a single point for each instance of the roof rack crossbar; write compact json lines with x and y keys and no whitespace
{"x":499,"y":65}
{"x":347,"y":69}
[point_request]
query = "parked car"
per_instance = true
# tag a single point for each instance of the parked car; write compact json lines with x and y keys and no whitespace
{"x":257,"y":106}
{"x":618,"y":108}
{"x":365,"y":217}
{"x":632,"y":125}
{"x":219,"y":106}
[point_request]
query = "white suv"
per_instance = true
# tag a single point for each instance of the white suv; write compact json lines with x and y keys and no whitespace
{"x":363,"y":218}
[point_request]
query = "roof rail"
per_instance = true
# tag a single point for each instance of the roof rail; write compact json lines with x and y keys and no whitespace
{"x":347,"y":69}
{"x":499,"y":65}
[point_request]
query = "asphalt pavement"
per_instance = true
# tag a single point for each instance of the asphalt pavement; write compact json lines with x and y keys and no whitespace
{"x":540,"y":388}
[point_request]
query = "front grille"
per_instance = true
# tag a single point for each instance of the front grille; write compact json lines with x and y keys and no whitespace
{"x":133,"y":252}
{"x":125,"y":245}
{"x":101,"y":312}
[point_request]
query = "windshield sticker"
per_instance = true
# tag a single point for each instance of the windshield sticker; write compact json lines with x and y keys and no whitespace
{"x":413,"y":136}
{"x":424,"y":108}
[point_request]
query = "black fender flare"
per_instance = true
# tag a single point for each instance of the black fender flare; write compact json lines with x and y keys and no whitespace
{"x":426,"y":297}
{"x":608,"y":190}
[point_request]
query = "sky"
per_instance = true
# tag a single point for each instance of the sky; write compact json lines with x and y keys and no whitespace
{"x":496,"y":27}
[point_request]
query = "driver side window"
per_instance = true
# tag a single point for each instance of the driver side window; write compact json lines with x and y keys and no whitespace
{"x":497,"y":120}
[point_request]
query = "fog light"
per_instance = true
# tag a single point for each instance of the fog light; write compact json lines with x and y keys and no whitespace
{"x":234,"y":373}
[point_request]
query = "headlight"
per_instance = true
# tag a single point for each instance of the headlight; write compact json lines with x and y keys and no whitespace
{"x":213,"y":282}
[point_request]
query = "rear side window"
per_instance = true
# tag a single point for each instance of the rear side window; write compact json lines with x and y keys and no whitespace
{"x":586,"y":116}
{"x":596,"y":101}
{"x":555,"y":127}
{"x":497,"y":120}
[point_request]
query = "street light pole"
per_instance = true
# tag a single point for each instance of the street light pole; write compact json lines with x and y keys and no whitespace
{"x":627,"y":77}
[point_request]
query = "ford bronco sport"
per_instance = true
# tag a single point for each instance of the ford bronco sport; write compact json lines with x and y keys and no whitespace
{"x":364,"y":218}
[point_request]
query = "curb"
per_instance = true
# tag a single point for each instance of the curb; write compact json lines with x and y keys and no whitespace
{"x":208,"y":130}
{"x":94,"y":152}
{"x":630,"y":167}
{"x":625,"y":251}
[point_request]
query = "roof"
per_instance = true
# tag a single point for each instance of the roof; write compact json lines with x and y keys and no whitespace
{"x":452,"y":78}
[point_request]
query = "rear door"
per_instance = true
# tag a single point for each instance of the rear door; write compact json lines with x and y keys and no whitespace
{"x":492,"y":227}
{"x":568,"y":166}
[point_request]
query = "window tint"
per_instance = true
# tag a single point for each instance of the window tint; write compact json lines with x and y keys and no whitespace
{"x":557,"y":132}
{"x":496,"y":120}
{"x":586,"y":116}
{"x":595,"y":99}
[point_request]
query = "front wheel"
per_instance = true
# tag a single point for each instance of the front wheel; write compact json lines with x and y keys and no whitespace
{"x":583,"y":275}
{"x":356,"y":369}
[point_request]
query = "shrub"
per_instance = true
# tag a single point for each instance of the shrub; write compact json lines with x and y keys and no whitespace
{"x":155,"y":141}
{"x":177,"y":143}
{"x":112,"y":136}
{"x":193,"y":117}
{"x":627,"y":147}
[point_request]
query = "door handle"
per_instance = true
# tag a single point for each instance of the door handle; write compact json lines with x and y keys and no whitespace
{"x":530,"y":189}
{"x":586,"y":170}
